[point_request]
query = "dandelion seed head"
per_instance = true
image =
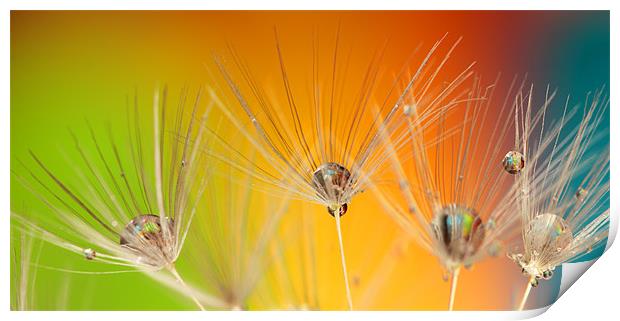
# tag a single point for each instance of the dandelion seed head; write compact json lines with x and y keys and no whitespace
{"x":547,"y":236}
{"x":460,"y":231}
{"x":561,"y":224}
{"x":513,"y":162}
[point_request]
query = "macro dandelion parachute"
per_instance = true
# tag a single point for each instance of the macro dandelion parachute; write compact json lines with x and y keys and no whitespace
{"x":456,"y":195}
{"x":234,"y":235}
{"x":289,"y":280}
{"x":132,"y":209}
{"x":334,"y":153}
{"x":563,"y":191}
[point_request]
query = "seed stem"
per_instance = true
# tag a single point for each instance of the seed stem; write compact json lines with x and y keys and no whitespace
{"x":454,"y":280}
{"x":526,"y":294}
{"x":190,"y":292}
{"x":344,"y":264}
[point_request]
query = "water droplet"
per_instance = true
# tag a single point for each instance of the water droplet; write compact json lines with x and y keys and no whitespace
{"x":494,"y":249}
{"x":513,"y":162}
{"x":331,"y":181}
{"x":548,"y":231}
{"x":409,"y":109}
{"x":403,"y":183}
{"x":460,"y":230}
{"x":90,"y":254}
{"x":144,"y":230}
{"x":581,"y":194}
{"x":490,"y":225}
{"x":445,"y":276}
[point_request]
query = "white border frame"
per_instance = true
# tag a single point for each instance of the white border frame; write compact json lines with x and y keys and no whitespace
{"x":594,"y":299}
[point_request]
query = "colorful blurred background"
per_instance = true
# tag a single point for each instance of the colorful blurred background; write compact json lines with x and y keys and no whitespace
{"x":69,"y":67}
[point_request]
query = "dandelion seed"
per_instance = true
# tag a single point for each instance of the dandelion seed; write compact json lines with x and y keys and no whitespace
{"x":109,"y":188}
{"x":292,"y":276}
{"x":458,"y":185}
{"x":558,"y":224}
{"x":335,"y":153}
{"x":235,"y":233}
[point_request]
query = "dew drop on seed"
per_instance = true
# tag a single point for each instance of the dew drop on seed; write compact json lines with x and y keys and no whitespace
{"x":445,"y":276}
{"x":144,"y":230}
{"x":513,"y":162}
{"x":548,"y":231}
{"x":409,"y":109}
{"x":460,"y":230}
{"x":581,"y":194}
{"x":494,"y":249}
{"x":90,"y":254}
{"x":490,"y":225}
{"x":331,"y":181}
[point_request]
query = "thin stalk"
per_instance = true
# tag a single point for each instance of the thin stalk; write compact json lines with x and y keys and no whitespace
{"x":454,"y":280}
{"x":344,"y":264}
{"x":176,"y":275}
{"x":526,"y":294}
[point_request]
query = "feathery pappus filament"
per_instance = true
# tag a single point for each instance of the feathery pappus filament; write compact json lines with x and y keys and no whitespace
{"x":563,"y":194}
{"x":128,"y":205}
{"x":294,"y":268}
{"x":319,"y":144}
{"x":26,"y":253}
{"x":23,"y":257}
{"x":456,"y":200}
{"x":233,"y":234}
